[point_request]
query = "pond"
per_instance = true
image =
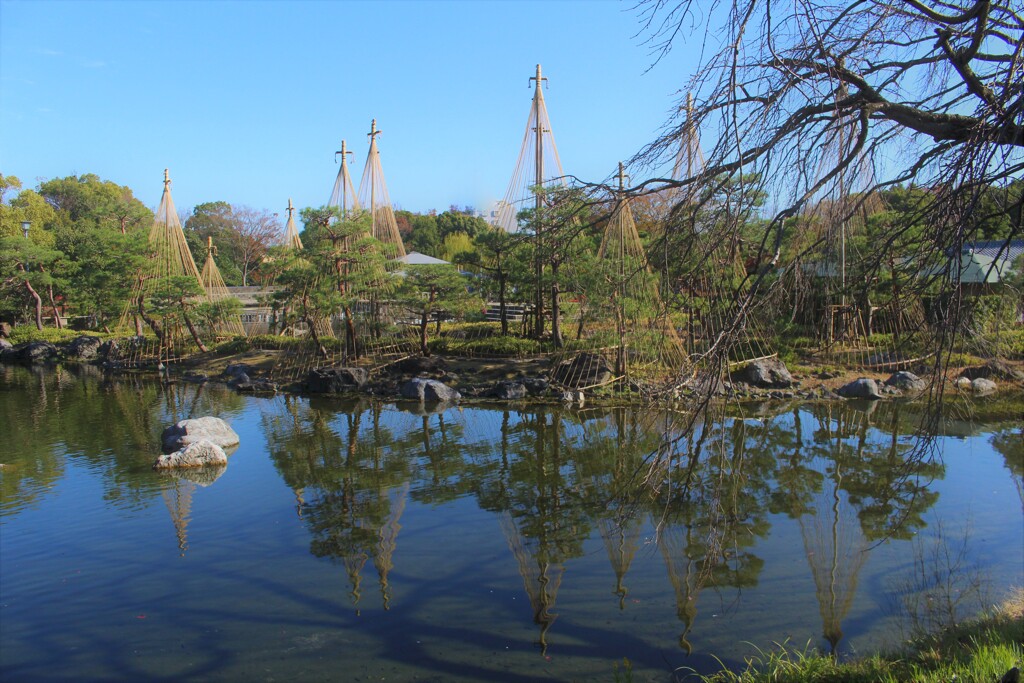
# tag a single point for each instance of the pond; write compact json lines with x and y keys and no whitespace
{"x":355,"y":540}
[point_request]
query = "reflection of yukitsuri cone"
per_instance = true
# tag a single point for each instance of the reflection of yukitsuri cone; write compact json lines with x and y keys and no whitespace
{"x":178,"y":499}
{"x":354,"y":563}
{"x":541,"y":579}
{"x":384,"y":550}
{"x":685,"y":575}
{"x":836,"y":551}
{"x":621,"y":538}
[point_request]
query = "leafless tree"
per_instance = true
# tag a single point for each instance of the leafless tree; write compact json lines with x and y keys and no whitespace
{"x":255,"y":230}
{"x":827,"y":102}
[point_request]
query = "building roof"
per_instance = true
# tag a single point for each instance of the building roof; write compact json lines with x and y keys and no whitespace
{"x":1009,"y":250}
{"x":415,"y":258}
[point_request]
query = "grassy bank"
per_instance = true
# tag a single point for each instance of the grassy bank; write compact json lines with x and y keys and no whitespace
{"x":982,"y":650}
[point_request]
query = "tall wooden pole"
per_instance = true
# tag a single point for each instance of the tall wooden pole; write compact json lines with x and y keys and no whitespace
{"x":538,"y":263}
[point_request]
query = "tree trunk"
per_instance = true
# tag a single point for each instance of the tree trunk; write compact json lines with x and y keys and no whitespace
{"x":39,"y":304}
{"x":58,"y":323}
{"x":556,"y":329}
{"x":502,"y":307}
{"x":350,"y":331}
{"x":192,"y":328}
{"x":138,"y":325}
{"x":153,"y":324}
{"x":424,"y":319}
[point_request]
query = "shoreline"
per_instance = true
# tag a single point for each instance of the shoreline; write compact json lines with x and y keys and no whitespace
{"x":500,"y":380}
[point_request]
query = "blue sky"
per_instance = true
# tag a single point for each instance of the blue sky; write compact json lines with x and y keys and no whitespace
{"x":247,"y":101}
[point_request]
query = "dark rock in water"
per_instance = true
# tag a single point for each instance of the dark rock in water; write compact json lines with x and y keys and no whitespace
{"x":419,"y":365}
{"x":860,"y":388}
{"x":996,"y":369}
{"x":85,"y":347}
{"x":260,"y":386}
{"x":583,"y":370}
{"x":766,"y":373}
{"x":428,"y":390}
{"x":196,"y":454}
{"x":535,"y":386}
{"x":207,"y":428}
{"x":335,"y":380}
{"x":507,"y":391}
{"x":906,"y":381}
{"x":983,"y":387}
{"x":31,"y":352}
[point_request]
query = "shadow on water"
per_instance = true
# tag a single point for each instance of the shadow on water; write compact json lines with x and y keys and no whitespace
{"x":846,"y":478}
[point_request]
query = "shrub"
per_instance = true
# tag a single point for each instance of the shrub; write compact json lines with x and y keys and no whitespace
{"x":27,"y":333}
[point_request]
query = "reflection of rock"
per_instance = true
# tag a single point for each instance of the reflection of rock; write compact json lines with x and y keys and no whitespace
{"x":196,"y":454}
{"x":85,"y":347}
{"x":766,"y":373}
{"x":207,"y":428}
{"x":429,"y":390}
{"x":203,"y":476}
{"x":422,"y":410}
{"x":860,"y":388}
{"x":906,"y":381}
{"x":335,"y":380}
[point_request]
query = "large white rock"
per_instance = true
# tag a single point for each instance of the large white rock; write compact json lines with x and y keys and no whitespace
{"x":207,"y":428}
{"x":196,"y":454}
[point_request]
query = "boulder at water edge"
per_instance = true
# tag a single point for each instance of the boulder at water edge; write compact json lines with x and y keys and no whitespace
{"x":197,"y":454}
{"x":860,"y":388}
{"x":428,"y":390}
{"x":983,"y":387}
{"x":507,"y":390}
{"x":86,"y":347}
{"x":335,"y":380}
{"x":766,"y":373}
{"x":207,"y":428}
{"x":906,"y":381}
{"x":31,"y":352}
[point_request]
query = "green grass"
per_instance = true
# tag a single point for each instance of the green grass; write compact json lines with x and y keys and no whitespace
{"x":982,"y":650}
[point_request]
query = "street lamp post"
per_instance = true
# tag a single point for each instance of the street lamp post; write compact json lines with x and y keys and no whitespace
{"x":25,"y":225}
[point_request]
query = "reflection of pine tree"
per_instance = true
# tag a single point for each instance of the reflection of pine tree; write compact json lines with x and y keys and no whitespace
{"x":542,"y":517}
{"x":886,"y":478}
{"x":353,"y":492}
{"x":608,"y":466}
{"x":712,"y":511}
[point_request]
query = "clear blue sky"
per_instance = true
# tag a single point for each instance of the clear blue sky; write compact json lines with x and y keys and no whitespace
{"x":247,"y":101}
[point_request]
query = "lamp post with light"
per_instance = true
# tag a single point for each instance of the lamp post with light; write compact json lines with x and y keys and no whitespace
{"x":25,"y":225}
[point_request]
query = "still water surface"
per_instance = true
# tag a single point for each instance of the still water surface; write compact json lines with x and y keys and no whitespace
{"x":350,"y":540}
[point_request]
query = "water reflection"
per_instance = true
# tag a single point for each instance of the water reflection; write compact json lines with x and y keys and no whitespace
{"x":717,"y":499}
{"x":57,"y":416}
{"x":351,"y":489}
